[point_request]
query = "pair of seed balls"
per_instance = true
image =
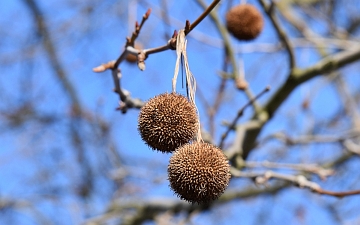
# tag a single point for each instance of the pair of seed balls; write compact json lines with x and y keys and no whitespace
{"x":244,"y":22}
{"x":198,"y":172}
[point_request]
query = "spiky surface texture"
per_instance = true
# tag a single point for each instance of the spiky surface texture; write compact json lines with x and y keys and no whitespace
{"x":168,"y":121}
{"x":244,"y":21}
{"x":198,"y":172}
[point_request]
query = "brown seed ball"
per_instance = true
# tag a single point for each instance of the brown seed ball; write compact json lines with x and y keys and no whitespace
{"x":198,"y":172}
{"x":168,"y":121}
{"x":244,"y":21}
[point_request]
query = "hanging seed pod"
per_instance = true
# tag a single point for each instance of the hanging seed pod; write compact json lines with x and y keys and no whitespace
{"x":198,"y":172}
{"x":244,"y":22}
{"x":168,"y":121}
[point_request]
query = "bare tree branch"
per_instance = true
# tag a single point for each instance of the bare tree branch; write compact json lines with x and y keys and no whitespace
{"x":76,"y":108}
{"x":307,"y":139}
{"x":226,"y":38}
{"x":239,"y":114}
{"x":48,"y":44}
{"x":21,"y":205}
{"x":269,"y":9}
{"x":148,"y":209}
{"x":328,"y":64}
{"x":202,"y":16}
{"x":125,"y":100}
{"x":300,"y":180}
{"x":296,"y":78}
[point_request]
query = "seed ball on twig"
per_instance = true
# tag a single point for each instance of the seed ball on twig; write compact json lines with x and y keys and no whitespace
{"x":198,"y":172}
{"x":168,"y":121}
{"x":244,"y":22}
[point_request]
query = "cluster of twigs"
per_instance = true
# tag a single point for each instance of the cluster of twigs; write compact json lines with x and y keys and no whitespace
{"x":126,"y":101}
{"x":234,"y":152}
{"x":261,"y":178}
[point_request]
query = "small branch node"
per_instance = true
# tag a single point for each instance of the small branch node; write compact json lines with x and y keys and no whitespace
{"x":187,"y":26}
{"x":241,"y":84}
{"x":141,"y":60}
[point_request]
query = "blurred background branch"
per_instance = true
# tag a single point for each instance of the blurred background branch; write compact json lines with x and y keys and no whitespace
{"x":67,"y":157}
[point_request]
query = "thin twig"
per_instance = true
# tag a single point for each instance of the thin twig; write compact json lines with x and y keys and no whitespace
{"x":307,"y":42}
{"x":131,"y":50}
{"x":352,"y":147}
{"x":269,"y":9}
{"x":307,"y":139}
{"x":202,"y":16}
{"x":228,"y":48}
{"x":105,"y":66}
{"x":49,"y":46}
{"x":212,"y":111}
{"x":338,"y":194}
{"x":169,"y":45}
{"x":21,"y":205}
{"x":310,"y":168}
{"x":226,"y":38}
{"x":235,"y":151}
{"x":296,"y":78}
{"x":149,"y":209}
{"x":300,"y":180}
{"x":130,"y":41}
{"x":239,"y":114}
{"x":350,"y":104}
{"x":125,"y":100}
{"x":138,"y":27}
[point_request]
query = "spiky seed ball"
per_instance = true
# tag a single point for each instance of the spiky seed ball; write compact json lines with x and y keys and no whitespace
{"x":168,"y":121}
{"x":244,"y":21}
{"x":198,"y":172}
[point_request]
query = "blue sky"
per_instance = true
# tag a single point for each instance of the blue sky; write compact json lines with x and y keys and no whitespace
{"x":32,"y":152}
